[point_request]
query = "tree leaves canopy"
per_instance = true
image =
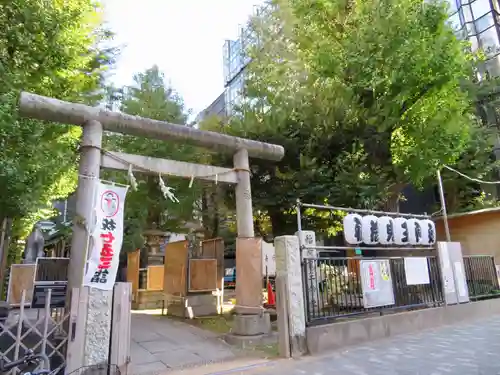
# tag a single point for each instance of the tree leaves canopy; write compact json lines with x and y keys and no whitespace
{"x":147,"y":208}
{"x":53,"y":49}
{"x":365,"y":96}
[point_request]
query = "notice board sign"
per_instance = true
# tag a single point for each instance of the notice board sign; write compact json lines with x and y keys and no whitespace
{"x":41,"y":293}
{"x":51,"y":270}
{"x":376,"y":283}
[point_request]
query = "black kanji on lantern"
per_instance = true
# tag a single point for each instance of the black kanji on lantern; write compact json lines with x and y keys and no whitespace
{"x":357,"y":228}
{"x":390,"y":231}
{"x":108,"y":224}
{"x":430,"y":231}
{"x":404,"y":235}
{"x":418,"y":231}
{"x":373,"y":231}
{"x":309,"y":239}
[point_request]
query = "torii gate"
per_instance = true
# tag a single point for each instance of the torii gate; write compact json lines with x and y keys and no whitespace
{"x":94,"y":120}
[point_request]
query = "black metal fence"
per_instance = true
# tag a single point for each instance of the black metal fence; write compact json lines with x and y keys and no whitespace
{"x":339,"y":294}
{"x":481,"y":276}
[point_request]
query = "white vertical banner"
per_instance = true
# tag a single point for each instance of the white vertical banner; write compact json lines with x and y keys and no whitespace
{"x":107,"y":238}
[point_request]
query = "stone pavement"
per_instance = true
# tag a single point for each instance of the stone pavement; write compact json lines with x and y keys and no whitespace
{"x":159,"y":344}
{"x":468,"y":349}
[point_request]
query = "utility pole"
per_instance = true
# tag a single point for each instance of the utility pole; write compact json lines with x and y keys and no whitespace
{"x":443,"y":206}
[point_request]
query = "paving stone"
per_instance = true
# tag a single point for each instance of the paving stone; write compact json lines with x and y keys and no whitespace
{"x":174,"y":344}
{"x":178,"y":358}
{"x":139,"y":355}
{"x":158,"y":346}
{"x":469,"y":349}
{"x":147,"y":368}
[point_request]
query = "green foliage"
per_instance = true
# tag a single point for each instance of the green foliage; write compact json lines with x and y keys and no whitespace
{"x":53,"y":49}
{"x":146,"y":208}
{"x":478,"y":161}
{"x":365,"y":96}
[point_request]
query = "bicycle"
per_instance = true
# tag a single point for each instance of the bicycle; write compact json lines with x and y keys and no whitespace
{"x":29,"y":358}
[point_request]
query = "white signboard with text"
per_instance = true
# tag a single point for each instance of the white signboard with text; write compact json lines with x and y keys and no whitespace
{"x":106,"y":240}
{"x":268,"y":259}
{"x":376,"y":283}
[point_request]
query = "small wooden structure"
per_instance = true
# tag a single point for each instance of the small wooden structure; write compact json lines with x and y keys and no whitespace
{"x":478,"y":231}
{"x":185,"y":284}
{"x":22,"y":278}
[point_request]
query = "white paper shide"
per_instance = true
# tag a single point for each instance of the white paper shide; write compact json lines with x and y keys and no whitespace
{"x":107,"y":237}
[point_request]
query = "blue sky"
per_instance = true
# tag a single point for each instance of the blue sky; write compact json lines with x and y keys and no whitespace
{"x":183,"y":37}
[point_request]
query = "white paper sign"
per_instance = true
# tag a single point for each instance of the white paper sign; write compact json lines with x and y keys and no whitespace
{"x":460,"y":277}
{"x":106,"y":241}
{"x":268,"y":259}
{"x":416,"y":271}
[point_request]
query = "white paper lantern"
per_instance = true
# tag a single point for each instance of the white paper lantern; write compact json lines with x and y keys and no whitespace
{"x":353,"y":228}
{"x":370,"y":229}
{"x":414,"y":232}
{"x":400,"y":231}
{"x":386,"y":230}
{"x":428,"y":232}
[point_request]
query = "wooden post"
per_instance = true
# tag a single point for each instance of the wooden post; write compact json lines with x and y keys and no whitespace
{"x":282,"y":317}
{"x":4,"y":251}
{"x":120,"y":340}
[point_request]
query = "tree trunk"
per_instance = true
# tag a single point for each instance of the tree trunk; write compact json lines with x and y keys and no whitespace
{"x":279,"y":224}
{"x":392,"y":202}
{"x":4,"y":250}
{"x":210,"y":211}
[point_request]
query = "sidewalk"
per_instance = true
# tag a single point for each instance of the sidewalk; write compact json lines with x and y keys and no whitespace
{"x":159,"y":344}
{"x":467,"y":349}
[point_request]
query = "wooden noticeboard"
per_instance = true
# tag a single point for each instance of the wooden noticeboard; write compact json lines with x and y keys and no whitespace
{"x":175,"y":269}
{"x":202,"y":275}
{"x":22,"y":277}
{"x":214,"y":249}
{"x":133,"y":271}
{"x":155,"y":277}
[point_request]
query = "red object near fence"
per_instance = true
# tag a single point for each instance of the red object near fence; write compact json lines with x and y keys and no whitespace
{"x":271,"y":298}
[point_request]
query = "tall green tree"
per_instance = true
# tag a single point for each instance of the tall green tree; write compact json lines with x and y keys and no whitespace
{"x":147,"y":208}
{"x":55,"y":49}
{"x":365,"y":96}
{"x":481,"y":159}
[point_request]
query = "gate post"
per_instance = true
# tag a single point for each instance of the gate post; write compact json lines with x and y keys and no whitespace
{"x":88,"y":175}
{"x":96,"y":319}
{"x":291,"y":306}
{"x":249,"y":319}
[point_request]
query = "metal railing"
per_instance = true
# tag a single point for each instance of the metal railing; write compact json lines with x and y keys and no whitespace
{"x":41,"y":330}
{"x":339,"y":293}
{"x":481,"y":276}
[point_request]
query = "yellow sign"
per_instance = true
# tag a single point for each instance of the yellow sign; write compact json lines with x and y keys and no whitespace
{"x":384,"y":271}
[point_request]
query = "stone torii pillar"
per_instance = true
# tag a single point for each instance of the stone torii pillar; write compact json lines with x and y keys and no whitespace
{"x":94,"y":121}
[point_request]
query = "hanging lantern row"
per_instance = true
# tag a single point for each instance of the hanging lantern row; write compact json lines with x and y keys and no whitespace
{"x":386,"y":230}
